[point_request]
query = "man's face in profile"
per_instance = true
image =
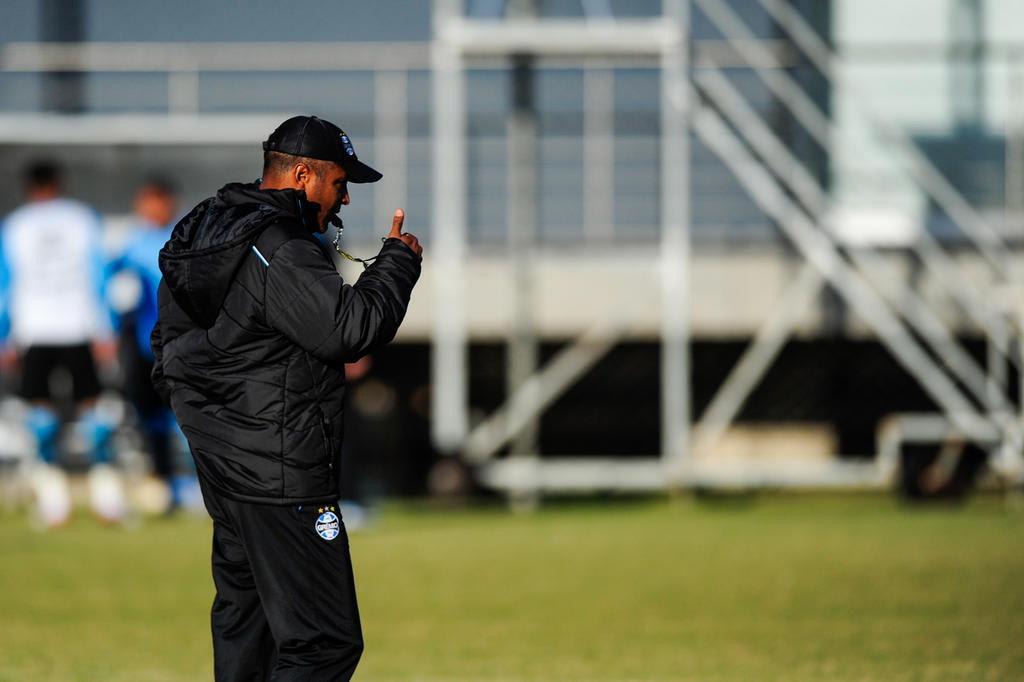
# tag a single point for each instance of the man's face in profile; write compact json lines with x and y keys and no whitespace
{"x":329,"y":189}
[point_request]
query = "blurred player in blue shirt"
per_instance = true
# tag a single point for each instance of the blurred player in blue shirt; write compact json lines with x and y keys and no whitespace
{"x":155,"y":207}
{"x":155,"y":212}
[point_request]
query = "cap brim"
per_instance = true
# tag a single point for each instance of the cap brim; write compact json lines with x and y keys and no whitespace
{"x":359,"y":172}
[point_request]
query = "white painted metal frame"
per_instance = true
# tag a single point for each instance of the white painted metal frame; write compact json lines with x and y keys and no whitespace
{"x":825,"y":264}
{"x":449,"y":358}
{"x":675,"y":244}
{"x":458,"y":39}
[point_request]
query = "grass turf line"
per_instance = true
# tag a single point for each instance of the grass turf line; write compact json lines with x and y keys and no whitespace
{"x":808,"y":588}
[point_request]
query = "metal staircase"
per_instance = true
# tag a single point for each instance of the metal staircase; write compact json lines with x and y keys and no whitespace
{"x":973,"y":399}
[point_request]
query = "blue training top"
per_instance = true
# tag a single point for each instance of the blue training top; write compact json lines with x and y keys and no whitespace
{"x":140,"y":257}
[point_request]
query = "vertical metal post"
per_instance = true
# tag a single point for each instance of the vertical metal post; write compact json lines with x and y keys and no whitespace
{"x":598,"y":153}
{"x":62,"y":21}
{"x":522,"y":205}
{"x":1019,"y":310}
{"x":1014,"y":191}
{"x":967,"y":81}
{"x":675,"y":246}
{"x":183,"y":89}
{"x":996,"y":364}
{"x":1014,"y":132}
{"x":391,"y":141}
{"x":522,"y":228}
{"x":449,"y":418}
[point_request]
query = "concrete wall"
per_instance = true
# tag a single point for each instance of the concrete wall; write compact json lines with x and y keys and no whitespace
{"x":732,"y":293}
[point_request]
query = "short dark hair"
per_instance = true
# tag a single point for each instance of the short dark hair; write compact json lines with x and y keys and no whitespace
{"x":161,"y":184}
{"x":275,"y":163}
{"x":43,"y":174}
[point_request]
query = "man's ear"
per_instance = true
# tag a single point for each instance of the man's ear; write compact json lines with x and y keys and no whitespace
{"x":301,"y":174}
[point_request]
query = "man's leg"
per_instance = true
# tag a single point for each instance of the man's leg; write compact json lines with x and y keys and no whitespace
{"x":154,"y":417}
{"x":243,"y":648}
{"x":44,"y":424}
{"x":37,"y":363}
{"x":303,"y":571}
{"x":97,"y":426}
{"x":48,"y":481}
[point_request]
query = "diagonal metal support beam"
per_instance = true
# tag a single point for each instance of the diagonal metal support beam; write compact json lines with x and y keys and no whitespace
{"x":984,"y":235}
{"x":821,"y":253}
{"x":756,"y":360}
{"x":914,"y":308}
{"x":538,"y":392}
{"x":807,"y":112}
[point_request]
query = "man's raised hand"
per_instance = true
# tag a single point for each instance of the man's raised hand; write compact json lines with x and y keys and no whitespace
{"x":410,"y":239}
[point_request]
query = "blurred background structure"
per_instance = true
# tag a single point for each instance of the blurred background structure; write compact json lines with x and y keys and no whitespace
{"x":676,"y":243}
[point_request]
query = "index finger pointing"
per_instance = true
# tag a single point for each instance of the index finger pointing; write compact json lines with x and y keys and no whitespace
{"x":397,"y":221}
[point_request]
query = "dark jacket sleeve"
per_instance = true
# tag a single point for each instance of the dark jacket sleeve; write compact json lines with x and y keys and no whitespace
{"x":156,"y":342}
{"x":308,"y":302}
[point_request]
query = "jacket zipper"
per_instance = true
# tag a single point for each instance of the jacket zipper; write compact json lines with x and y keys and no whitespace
{"x":325,"y":431}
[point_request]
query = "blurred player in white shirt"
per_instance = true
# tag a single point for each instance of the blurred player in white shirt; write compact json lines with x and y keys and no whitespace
{"x":53,"y":318}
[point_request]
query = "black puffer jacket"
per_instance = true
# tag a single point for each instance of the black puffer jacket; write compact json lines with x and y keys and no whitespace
{"x":251,"y":356}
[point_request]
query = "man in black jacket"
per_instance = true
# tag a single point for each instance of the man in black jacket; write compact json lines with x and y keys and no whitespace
{"x":254,"y":330}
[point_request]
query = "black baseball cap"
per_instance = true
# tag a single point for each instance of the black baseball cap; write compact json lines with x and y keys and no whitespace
{"x":316,"y":138}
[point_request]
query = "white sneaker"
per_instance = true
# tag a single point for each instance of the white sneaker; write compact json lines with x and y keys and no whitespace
{"x":106,"y":493}
{"x":151,"y":496}
{"x":52,"y":495}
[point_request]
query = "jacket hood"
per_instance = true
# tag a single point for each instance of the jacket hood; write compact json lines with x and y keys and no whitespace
{"x":209,"y":244}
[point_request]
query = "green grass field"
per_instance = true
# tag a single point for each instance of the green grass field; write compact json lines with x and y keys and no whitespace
{"x":778,"y":588}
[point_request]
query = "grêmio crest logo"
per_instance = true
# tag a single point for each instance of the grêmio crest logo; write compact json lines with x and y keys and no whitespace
{"x":328,"y":526}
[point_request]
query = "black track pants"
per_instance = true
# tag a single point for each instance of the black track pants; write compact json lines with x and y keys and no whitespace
{"x":285,"y":608}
